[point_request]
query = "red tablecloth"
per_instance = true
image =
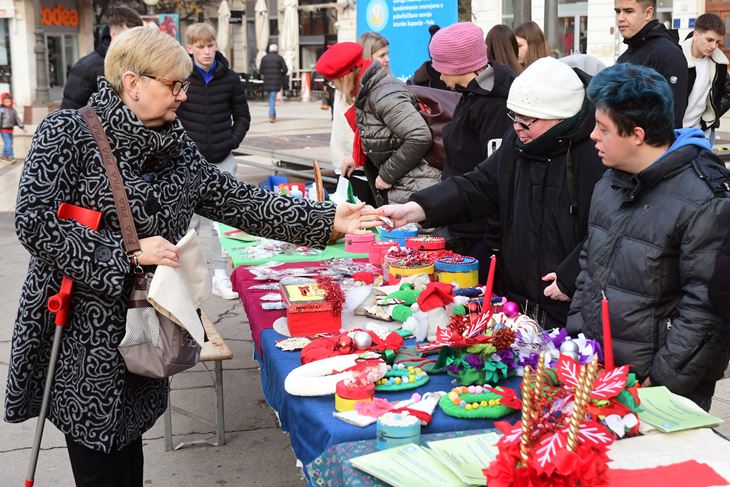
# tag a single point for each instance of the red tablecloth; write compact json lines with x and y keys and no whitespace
{"x":258,"y":318}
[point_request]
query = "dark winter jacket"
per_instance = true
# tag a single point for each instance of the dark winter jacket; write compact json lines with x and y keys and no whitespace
{"x":542,"y":203}
{"x":658,"y":48}
{"x":476,"y":129}
{"x":718,"y":100}
{"x":720,"y":282}
{"x":216,"y":114}
{"x":394,"y":135}
{"x":425,"y":75}
{"x":273,"y":69}
{"x":95,"y":400}
{"x":652,"y":245}
{"x":81,"y":81}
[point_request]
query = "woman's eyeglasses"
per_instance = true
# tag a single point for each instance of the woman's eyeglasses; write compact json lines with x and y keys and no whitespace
{"x":525,"y":124}
{"x":176,"y":85}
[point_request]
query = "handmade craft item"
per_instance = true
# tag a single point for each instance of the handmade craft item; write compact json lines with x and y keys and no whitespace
{"x":427,"y":244}
{"x":377,"y":250}
{"x":396,"y":429}
{"x":349,"y":393}
{"x":313,"y":307}
{"x":359,"y":244}
{"x":560,"y":439}
{"x":386,"y":344}
{"x":462,"y":271}
{"x":320,"y":378}
{"x":490,"y":280}
{"x":400,"y":377}
{"x":409,"y":267}
{"x":477,"y":402}
{"x":399,"y":234}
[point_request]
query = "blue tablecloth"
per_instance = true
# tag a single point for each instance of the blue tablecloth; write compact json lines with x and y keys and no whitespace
{"x":309,"y":421}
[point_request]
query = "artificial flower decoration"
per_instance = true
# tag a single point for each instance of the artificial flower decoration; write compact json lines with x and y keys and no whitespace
{"x":565,"y":430}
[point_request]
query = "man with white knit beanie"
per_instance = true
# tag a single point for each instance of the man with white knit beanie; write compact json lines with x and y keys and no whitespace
{"x":538,"y":184}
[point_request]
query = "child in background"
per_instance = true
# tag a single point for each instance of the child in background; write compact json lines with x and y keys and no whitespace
{"x":8,"y":119}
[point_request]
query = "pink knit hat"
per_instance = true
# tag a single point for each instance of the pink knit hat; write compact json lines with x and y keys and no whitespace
{"x":458,"y":49}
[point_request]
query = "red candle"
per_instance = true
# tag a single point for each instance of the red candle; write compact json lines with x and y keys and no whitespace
{"x":490,"y":280}
{"x":607,"y":341}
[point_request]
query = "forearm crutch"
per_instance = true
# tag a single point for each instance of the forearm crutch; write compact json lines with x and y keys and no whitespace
{"x":59,"y":304}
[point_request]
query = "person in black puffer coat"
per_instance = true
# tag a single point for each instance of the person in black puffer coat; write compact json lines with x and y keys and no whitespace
{"x":216,"y":117}
{"x":81,"y":82}
{"x":273,"y":69}
{"x":216,"y":114}
{"x":539,"y":183}
{"x":720,"y":282}
{"x":654,"y":238}
{"x":478,"y":124}
{"x":651,"y":44}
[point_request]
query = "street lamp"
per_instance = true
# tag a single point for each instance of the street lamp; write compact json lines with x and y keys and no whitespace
{"x":151,"y":6}
{"x":42,"y":88}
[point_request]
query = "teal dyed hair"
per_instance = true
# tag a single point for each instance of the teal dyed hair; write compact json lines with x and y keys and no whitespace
{"x":635,"y":96}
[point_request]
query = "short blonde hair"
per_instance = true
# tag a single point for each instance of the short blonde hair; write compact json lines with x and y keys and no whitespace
{"x":200,"y":32}
{"x":145,"y":50}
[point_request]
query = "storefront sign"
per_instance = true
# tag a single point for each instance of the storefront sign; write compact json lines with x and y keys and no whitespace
{"x":59,"y":16}
{"x":405,"y":24}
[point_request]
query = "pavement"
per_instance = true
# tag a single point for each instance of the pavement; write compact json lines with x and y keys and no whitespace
{"x":257,"y":452}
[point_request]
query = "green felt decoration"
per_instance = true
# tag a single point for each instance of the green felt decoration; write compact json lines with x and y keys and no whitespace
{"x":459,"y":309}
{"x":402,"y":386}
{"x":401,"y":312}
{"x":490,"y":412}
{"x":408,"y":296}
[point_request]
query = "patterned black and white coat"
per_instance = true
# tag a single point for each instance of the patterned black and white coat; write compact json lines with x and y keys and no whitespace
{"x":95,"y":399}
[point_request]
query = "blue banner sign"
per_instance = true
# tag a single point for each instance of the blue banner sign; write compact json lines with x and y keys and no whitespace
{"x":405,"y":24}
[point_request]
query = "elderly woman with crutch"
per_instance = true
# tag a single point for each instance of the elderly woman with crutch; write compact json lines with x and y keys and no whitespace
{"x":100,"y":406}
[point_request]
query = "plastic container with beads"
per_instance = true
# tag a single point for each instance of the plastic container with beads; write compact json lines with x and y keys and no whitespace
{"x":377,"y":251}
{"x":427,"y":244}
{"x":359,"y":244}
{"x":398,"y":270}
{"x":458,"y":269}
{"x":398,"y":234}
{"x":396,"y":429}
{"x":346,"y":396}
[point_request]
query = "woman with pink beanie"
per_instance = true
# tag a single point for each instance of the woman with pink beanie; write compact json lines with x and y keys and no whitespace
{"x":479,"y":121}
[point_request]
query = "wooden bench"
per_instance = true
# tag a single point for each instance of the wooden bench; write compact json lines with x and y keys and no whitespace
{"x":214,"y":350}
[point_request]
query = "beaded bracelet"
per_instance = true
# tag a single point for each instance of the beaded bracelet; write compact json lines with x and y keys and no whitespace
{"x":473,"y":402}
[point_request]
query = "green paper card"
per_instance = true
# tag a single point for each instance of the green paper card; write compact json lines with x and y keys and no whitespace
{"x":669,"y":412}
{"x":467,"y":456}
{"x":407,"y":466}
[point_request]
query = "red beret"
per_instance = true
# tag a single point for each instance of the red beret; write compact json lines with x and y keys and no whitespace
{"x":339,"y":60}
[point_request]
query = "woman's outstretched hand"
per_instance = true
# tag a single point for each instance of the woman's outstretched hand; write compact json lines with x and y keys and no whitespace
{"x":355,"y":219}
{"x":157,"y":251}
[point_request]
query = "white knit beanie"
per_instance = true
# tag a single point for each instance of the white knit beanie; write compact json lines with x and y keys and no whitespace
{"x":547,"y":89}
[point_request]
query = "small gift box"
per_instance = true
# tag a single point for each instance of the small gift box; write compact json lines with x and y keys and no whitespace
{"x":426,"y":243}
{"x":399,"y":235}
{"x":359,"y":244}
{"x":396,"y":429}
{"x":312,"y":308}
{"x":458,"y":269}
{"x":377,"y":251}
{"x":347,"y":395}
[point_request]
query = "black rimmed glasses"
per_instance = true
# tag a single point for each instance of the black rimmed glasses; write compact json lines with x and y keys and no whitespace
{"x":525,"y":124}
{"x":176,"y":85}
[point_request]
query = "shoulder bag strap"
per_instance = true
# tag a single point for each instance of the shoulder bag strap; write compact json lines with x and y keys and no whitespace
{"x":129,"y":232}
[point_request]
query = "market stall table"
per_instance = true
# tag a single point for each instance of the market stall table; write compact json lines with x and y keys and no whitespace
{"x":309,"y":420}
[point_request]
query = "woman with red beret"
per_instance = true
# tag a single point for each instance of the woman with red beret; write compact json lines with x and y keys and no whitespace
{"x":389,"y":131}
